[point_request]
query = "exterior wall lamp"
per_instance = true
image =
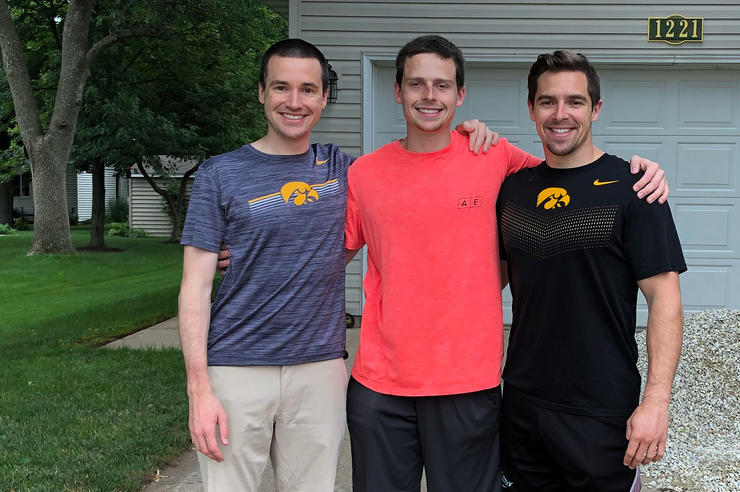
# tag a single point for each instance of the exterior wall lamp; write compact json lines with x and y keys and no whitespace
{"x":333,"y":90}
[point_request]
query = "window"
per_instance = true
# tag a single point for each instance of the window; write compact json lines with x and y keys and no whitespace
{"x":22,"y":184}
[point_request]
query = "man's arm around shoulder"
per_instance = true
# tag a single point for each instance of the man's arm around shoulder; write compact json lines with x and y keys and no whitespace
{"x":647,"y":428}
{"x":206,"y":412}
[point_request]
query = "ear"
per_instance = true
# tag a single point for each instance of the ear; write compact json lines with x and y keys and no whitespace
{"x":531,"y":109}
{"x":460,"y":96}
{"x":261,"y":95}
{"x":596,"y":111}
{"x":397,"y":92}
{"x":325,"y":99}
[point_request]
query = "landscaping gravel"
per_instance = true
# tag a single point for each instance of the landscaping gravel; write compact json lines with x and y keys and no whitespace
{"x":703,"y":449}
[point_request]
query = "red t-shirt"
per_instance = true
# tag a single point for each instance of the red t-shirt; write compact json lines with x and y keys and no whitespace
{"x":432,"y":322}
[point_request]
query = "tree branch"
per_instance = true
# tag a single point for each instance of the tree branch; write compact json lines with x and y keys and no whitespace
{"x":134,"y":32}
{"x":16,"y":72}
{"x":150,"y":180}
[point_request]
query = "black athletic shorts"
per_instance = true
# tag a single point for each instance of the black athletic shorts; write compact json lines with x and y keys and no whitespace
{"x":454,"y":438}
{"x":550,"y":451}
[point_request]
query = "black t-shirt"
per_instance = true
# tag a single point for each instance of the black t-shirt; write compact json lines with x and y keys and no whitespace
{"x":577,"y":241}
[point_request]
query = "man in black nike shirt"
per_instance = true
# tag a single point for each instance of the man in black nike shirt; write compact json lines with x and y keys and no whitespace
{"x":577,"y":245}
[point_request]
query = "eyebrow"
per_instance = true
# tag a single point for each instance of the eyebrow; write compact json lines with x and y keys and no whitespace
{"x":285,"y":82}
{"x":422,"y":79}
{"x":573,"y":97}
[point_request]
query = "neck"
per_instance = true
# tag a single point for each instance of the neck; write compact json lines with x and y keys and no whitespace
{"x":582,"y":156}
{"x":279,"y":145}
{"x":424,"y":142}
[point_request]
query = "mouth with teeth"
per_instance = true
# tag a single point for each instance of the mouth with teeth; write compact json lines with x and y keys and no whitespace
{"x":293,"y":117}
{"x":560,"y":131}
{"x":429,"y":111}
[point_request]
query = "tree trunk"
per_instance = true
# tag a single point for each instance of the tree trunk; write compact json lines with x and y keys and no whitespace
{"x":51,"y":232}
{"x":175,"y":234}
{"x":6,"y":203}
{"x":97,"y":226}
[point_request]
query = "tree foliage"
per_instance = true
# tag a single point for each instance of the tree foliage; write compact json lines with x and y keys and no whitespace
{"x":174,"y":78}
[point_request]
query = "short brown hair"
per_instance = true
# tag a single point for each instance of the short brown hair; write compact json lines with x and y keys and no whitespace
{"x":432,"y":43}
{"x":295,"y":48}
{"x":564,"y":61}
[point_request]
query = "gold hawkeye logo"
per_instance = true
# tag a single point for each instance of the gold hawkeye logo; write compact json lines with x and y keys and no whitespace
{"x":602,"y":183}
{"x":553,"y":198}
{"x":299,"y":192}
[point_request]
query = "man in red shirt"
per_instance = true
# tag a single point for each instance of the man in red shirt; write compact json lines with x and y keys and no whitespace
{"x":425,"y":387}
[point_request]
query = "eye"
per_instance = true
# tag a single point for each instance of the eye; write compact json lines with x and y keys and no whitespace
{"x":414,"y":83}
{"x":280,"y":88}
{"x":443,"y":85}
{"x":308,"y":90}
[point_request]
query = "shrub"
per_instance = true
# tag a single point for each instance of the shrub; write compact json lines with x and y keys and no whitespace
{"x":73,"y":219}
{"x":118,"y":208}
{"x":122,"y":229}
{"x":6,"y":229}
{"x":117,"y":229}
{"x":19,"y":224}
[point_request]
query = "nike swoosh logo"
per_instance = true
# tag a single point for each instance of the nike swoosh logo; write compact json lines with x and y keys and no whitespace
{"x":318,"y":162}
{"x":602,"y":183}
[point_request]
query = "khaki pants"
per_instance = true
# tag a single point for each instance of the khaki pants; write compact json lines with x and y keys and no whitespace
{"x":293,"y":414}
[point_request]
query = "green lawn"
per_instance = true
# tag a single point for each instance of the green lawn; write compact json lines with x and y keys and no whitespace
{"x":72,"y":416}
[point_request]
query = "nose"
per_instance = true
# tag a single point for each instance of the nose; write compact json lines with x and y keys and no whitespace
{"x":293,"y":99}
{"x":560,"y":112}
{"x":429,"y":91}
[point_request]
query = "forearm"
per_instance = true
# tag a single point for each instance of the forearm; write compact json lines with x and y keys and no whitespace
{"x":348,"y":255}
{"x":194,"y":305}
{"x":664,"y":340}
{"x":194,"y":319}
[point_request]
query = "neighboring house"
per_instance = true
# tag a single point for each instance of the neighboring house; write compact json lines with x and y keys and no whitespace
{"x":677,"y":104}
{"x":78,"y":188}
{"x":23,"y":193}
{"x":145,"y":205}
{"x":115,"y":187}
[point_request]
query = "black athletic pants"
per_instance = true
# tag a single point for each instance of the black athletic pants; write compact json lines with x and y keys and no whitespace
{"x":549,"y":451}
{"x":455,"y":438}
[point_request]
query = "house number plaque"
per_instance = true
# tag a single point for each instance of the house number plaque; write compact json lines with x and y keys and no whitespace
{"x":676,"y":29}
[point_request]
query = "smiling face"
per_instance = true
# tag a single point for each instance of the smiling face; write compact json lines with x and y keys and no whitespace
{"x":293,"y":99}
{"x":563,"y":113}
{"x":429,"y":94}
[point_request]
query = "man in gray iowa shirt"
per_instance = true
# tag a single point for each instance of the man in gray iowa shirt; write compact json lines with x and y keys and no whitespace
{"x":265,"y":374}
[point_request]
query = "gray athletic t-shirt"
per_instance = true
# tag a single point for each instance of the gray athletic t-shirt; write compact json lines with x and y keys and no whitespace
{"x":282,"y":217}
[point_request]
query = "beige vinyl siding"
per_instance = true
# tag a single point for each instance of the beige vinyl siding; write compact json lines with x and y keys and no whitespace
{"x":145,"y":208}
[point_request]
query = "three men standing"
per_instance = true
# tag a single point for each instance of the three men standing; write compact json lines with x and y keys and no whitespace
{"x":268,"y":353}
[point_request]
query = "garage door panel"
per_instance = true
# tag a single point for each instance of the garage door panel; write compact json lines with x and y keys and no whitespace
{"x":707,"y":228}
{"x":633,"y":105}
{"x":709,"y":286}
{"x":708,"y":104}
{"x":708,"y":168}
{"x":504,"y":113}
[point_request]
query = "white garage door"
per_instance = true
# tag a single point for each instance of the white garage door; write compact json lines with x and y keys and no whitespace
{"x":687,"y":119}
